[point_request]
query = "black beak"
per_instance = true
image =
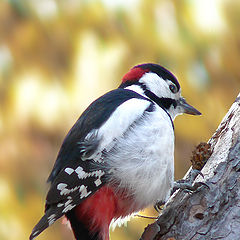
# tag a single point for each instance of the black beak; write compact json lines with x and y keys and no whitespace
{"x":188,"y":108}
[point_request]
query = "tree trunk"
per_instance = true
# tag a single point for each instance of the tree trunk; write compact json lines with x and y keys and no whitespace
{"x":208,"y":213}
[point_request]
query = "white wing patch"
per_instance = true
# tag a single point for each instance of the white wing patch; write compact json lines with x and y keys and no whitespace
{"x":120,"y":120}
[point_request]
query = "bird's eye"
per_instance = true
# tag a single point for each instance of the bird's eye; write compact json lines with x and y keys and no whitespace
{"x":173,"y":88}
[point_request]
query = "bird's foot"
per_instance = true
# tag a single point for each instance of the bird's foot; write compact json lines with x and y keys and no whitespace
{"x":187,"y":184}
{"x":159,"y":206}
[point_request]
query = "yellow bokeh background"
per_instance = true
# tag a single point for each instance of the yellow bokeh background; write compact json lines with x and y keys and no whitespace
{"x":57,"y":56}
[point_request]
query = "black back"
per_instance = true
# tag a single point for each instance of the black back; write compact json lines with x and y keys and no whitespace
{"x":92,"y":118}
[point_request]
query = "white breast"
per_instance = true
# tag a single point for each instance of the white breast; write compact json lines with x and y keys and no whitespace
{"x":142,"y":160}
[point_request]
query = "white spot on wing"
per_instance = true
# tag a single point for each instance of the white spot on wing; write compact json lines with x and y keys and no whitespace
{"x":98,"y":173}
{"x":67,"y":202}
{"x":35,"y":233}
{"x":69,"y":207}
{"x":51,"y":219}
{"x":79,"y":170}
{"x":69,"y":171}
{"x":81,"y":173}
{"x":61,"y":186}
{"x":83,"y":191}
{"x":52,"y":216}
{"x":64,"y":190}
{"x":97,"y":182}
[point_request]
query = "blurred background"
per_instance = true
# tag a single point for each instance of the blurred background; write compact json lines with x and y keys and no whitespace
{"x":57,"y":56}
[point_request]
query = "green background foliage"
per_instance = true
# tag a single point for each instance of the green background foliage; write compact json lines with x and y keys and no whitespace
{"x":57,"y":56}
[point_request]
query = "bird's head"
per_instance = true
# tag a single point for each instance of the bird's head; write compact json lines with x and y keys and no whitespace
{"x":160,"y":85}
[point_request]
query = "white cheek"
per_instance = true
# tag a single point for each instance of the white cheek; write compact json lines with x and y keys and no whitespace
{"x":160,"y":88}
{"x":157,"y":85}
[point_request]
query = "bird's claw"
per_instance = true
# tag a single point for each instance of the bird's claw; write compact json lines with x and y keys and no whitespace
{"x":194,"y":173}
{"x":187,"y":184}
{"x":159,"y":206}
{"x":188,"y":187}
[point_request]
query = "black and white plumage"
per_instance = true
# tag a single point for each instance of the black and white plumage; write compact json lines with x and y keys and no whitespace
{"x":118,"y":158}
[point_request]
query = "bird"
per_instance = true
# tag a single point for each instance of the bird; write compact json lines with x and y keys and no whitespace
{"x":118,"y":158}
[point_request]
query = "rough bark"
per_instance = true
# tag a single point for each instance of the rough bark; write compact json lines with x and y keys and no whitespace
{"x":208,"y":213}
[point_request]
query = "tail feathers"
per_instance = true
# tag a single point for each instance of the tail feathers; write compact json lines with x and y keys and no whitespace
{"x":48,"y":219}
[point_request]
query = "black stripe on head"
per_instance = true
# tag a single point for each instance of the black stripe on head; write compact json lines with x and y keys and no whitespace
{"x":160,"y":71}
{"x":164,"y":103}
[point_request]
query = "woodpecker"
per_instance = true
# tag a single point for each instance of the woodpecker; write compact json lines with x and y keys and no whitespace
{"x":118,"y":158}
